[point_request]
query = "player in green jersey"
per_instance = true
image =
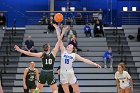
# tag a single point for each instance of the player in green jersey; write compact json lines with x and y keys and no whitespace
{"x":48,"y":58}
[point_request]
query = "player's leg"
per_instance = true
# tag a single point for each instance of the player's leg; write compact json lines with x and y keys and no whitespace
{"x":52,"y":81}
{"x":41,"y":81}
{"x":122,"y":90}
{"x":38,"y":88}
{"x":127,"y":90}
{"x":32,"y":88}
{"x":64,"y":81}
{"x":65,"y":88}
{"x":54,"y":88}
{"x":75,"y":87}
{"x":73,"y":82}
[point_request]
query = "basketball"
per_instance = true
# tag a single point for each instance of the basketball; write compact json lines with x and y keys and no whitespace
{"x":58,"y":17}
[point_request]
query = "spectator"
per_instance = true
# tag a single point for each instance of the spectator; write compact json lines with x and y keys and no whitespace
{"x":50,"y":25}
{"x":29,"y":45}
{"x":2,"y":20}
{"x":60,"y":89}
{"x":79,"y":19}
{"x":87,"y":30}
{"x":74,"y":43}
{"x":69,"y":21}
{"x":70,"y":33}
{"x":29,"y":78}
{"x":43,"y":20}
{"x":108,"y":57}
{"x":98,"y":28}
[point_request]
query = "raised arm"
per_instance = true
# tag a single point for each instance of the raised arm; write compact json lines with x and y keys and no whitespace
{"x":79,"y":58}
{"x":61,"y":45}
{"x":28,"y":53}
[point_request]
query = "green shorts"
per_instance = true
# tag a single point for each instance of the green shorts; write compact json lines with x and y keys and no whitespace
{"x":48,"y":76}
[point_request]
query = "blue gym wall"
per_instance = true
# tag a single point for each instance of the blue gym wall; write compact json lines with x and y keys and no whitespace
{"x":105,"y":5}
{"x":16,"y":8}
{"x":129,"y":4}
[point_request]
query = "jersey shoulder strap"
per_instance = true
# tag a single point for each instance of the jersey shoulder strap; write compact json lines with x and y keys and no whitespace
{"x":43,"y":55}
{"x":51,"y":54}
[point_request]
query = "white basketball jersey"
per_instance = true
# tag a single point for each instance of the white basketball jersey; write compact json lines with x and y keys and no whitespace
{"x":67,"y":60}
{"x":123,"y":78}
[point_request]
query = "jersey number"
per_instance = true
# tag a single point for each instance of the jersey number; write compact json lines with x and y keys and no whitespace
{"x":66,"y":61}
{"x":49,"y":61}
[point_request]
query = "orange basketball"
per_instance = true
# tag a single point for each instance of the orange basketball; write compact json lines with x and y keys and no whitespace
{"x":58,"y":17}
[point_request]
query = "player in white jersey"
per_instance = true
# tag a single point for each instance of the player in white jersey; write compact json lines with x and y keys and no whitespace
{"x":123,"y":80}
{"x":68,"y":56}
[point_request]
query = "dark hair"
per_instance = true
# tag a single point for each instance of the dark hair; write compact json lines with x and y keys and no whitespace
{"x":45,"y":47}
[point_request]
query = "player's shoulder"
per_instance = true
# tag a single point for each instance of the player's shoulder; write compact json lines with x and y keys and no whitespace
{"x":35,"y":69}
{"x":64,"y":52}
{"x":26,"y":69}
{"x":125,"y":72}
{"x":117,"y":73}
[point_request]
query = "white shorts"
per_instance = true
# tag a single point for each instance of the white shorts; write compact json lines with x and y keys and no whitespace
{"x":124,"y":86}
{"x":67,"y":76}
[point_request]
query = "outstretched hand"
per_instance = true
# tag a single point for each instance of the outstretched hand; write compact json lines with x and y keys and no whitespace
{"x":17,"y":48}
{"x":65,"y":28}
{"x":98,"y":66}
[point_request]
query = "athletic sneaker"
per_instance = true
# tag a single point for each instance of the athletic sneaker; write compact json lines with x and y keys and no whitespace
{"x":105,"y":66}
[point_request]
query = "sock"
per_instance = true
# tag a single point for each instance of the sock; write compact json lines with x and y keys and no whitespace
{"x":36,"y":90}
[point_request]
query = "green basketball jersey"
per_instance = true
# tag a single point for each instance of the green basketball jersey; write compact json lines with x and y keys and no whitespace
{"x":47,"y":61}
{"x":30,"y":77}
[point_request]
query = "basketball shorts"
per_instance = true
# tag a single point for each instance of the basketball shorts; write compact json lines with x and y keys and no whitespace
{"x":48,"y":76}
{"x":67,"y":76}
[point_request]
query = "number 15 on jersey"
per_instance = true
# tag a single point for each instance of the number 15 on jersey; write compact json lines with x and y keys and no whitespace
{"x":66,"y":61}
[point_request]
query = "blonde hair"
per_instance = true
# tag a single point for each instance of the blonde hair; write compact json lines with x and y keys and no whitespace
{"x":122,"y":65}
